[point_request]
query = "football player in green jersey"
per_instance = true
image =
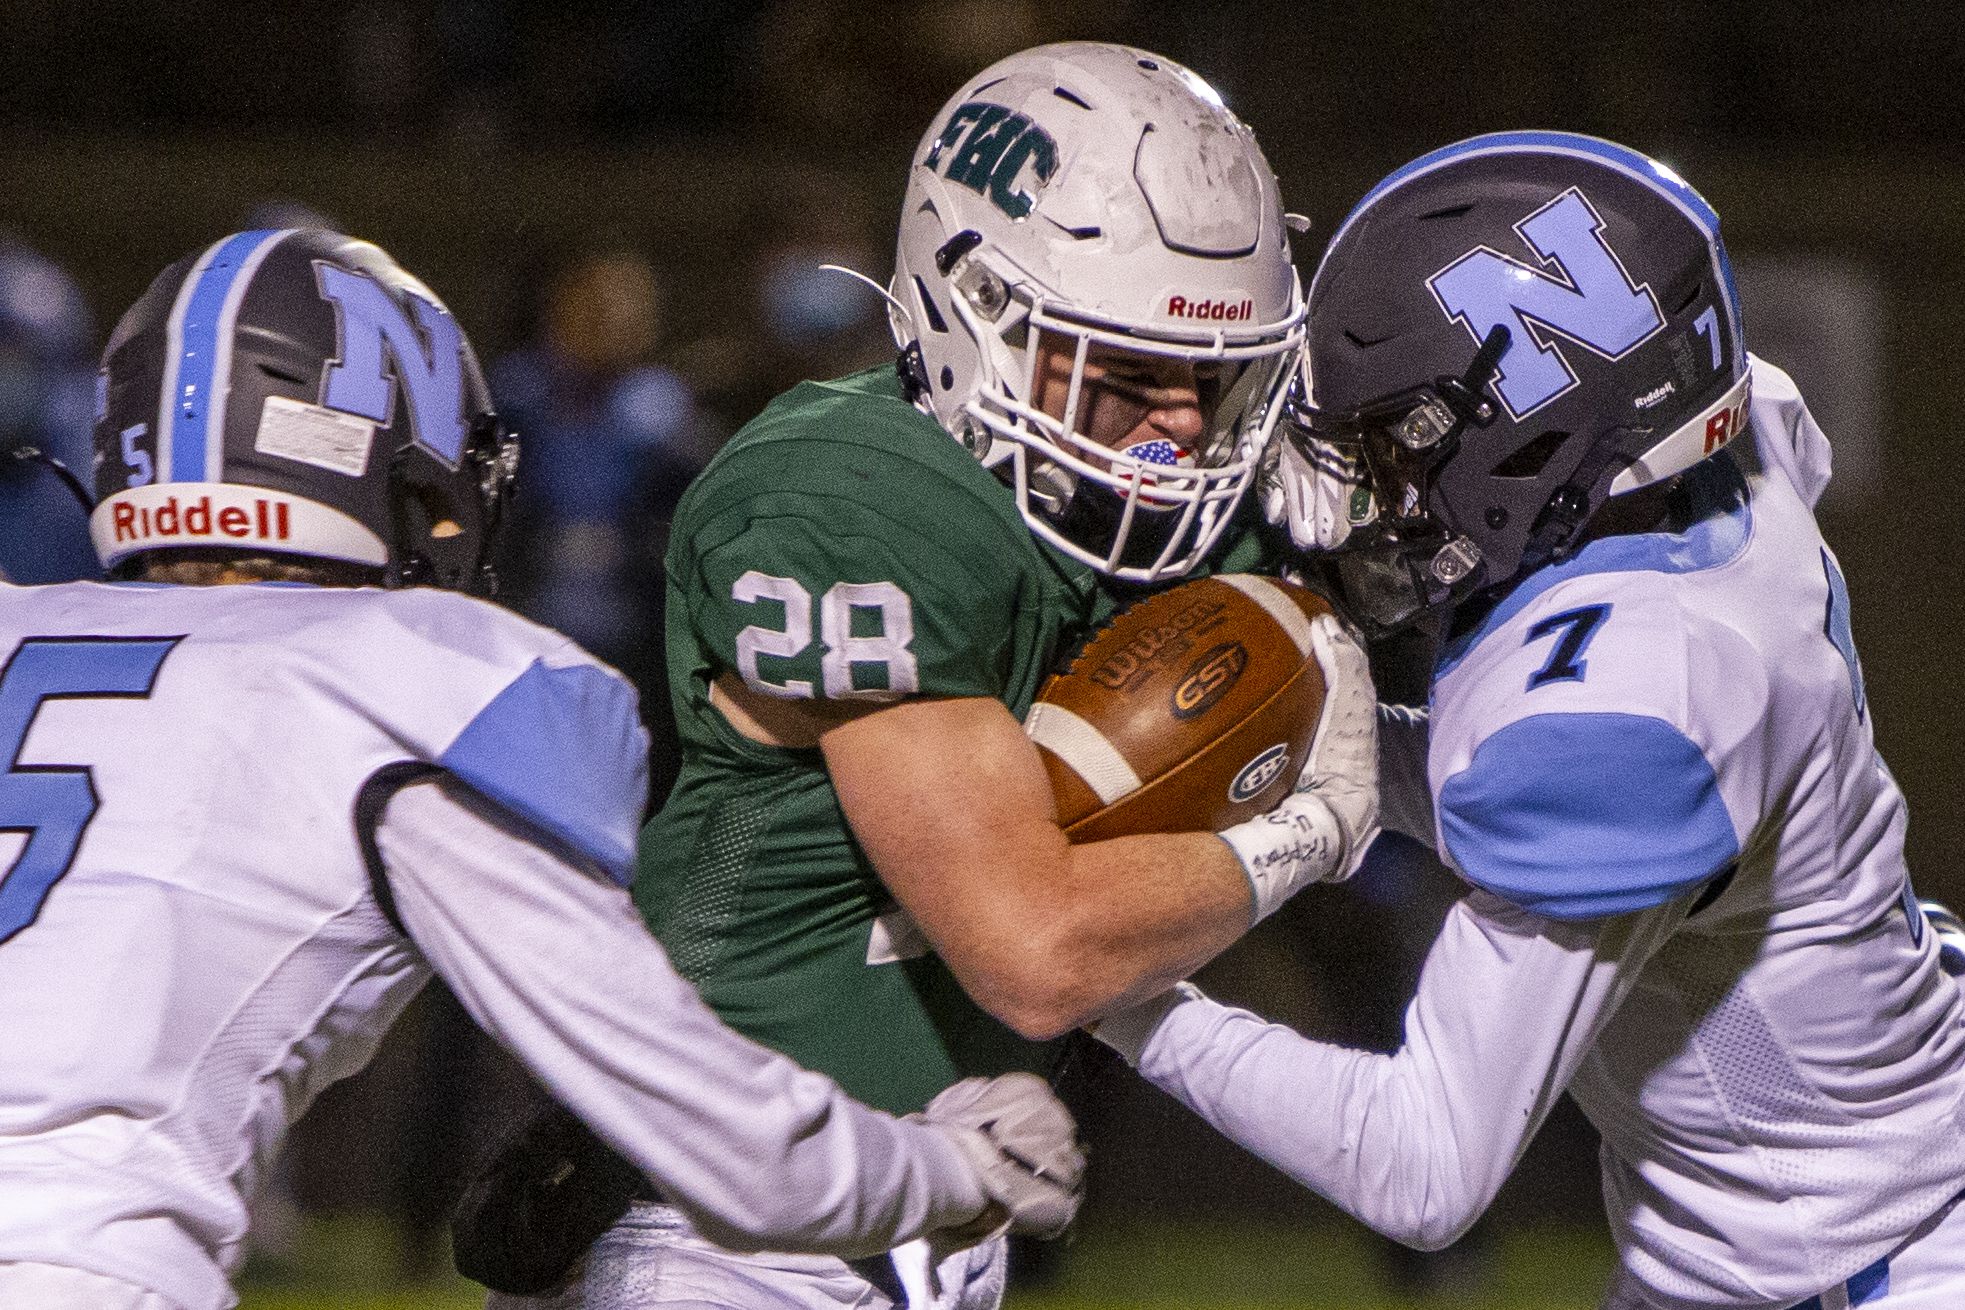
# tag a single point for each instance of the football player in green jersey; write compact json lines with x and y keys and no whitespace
{"x":859,"y":864}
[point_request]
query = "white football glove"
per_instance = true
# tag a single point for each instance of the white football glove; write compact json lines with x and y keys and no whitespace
{"x":1320,"y":495}
{"x":1319,"y":832}
{"x":1023,"y":1145}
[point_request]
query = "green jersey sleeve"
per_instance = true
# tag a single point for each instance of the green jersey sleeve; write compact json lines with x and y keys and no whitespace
{"x":813,"y":596}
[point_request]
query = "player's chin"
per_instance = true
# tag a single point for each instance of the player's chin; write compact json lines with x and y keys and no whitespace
{"x":1096,"y":512}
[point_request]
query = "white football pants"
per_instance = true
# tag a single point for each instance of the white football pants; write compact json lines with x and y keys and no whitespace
{"x":654,"y":1259}
{"x":57,"y":1287}
{"x":1925,"y":1273}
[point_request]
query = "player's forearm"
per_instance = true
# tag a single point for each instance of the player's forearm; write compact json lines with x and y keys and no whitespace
{"x":951,"y":804}
{"x":761,"y":1154}
{"x":1371,"y":1133}
{"x":1107,"y":924}
{"x":1416,"y":1143}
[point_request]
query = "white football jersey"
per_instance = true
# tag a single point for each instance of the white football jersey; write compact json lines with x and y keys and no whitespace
{"x":1655,"y":763}
{"x":1780,"y":1093}
{"x":197,"y":837}
{"x":189,"y":948}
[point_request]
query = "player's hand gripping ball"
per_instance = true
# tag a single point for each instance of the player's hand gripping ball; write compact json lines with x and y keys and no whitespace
{"x":1193,"y":710}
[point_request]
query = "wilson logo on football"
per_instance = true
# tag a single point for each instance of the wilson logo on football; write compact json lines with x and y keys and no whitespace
{"x":1259,"y":773}
{"x":1211,"y":310}
{"x":1142,"y":654}
{"x":1208,"y":679}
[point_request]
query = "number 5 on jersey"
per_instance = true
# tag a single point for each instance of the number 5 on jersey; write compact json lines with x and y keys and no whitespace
{"x":845,"y":605}
{"x":53,"y":803}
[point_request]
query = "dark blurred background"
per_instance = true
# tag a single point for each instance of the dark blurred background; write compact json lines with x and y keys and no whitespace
{"x":625,"y":205}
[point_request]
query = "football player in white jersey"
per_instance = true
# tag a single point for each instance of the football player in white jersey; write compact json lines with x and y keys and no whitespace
{"x":1649,"y":754}
{"x":240,"y":825}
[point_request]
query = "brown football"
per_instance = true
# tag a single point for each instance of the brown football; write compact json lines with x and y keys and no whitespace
{"x":1191,"y":711}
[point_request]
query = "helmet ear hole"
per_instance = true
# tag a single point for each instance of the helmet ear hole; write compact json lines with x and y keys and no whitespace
{"x":433,"y":540}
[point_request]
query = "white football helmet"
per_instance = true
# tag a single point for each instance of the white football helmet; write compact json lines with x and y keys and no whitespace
{"x":1086,"y":194}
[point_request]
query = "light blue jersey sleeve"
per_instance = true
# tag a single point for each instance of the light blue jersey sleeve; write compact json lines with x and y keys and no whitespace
{"x":1586,"y":815}
{"x":563,"y":748}
{"x":513,"y":710}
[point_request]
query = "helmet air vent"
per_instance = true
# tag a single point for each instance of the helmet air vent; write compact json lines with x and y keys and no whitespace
{"x":935,"y":319}
{"x":1530,"y":460}
{"x":291,"y":379}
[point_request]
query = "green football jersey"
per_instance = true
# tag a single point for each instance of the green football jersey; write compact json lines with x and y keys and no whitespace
{"x":842,"y":545}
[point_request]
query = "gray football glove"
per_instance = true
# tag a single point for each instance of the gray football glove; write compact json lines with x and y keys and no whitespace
{"x":1023,"y":1145}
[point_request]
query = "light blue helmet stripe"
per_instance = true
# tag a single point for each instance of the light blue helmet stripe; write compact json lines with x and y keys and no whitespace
{"x":1644,"y":169}
{"x":191,"y":411}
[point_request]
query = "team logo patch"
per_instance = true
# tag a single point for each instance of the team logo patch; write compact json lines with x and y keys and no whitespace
{"x":1208,"y":679}
{"x":1259,"y":773}
{"x":1580,"y":295}
{"x":315,"y":434}
{"x":997,"y":153}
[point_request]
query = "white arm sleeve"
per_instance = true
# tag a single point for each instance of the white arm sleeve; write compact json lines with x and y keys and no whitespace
{"x":556,"y":964}
{"x":1405,"y":801}
{"x":1416,"y":1143}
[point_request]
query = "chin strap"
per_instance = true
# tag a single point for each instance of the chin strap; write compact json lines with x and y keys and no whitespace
{"x":35,"y":455}
{"x":1568,"y":510}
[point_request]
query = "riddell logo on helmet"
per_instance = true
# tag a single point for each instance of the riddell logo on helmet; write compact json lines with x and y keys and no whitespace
{"x":267,"y":520}
{"x":1725,"y":425}
{"x":1214,"y":311}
